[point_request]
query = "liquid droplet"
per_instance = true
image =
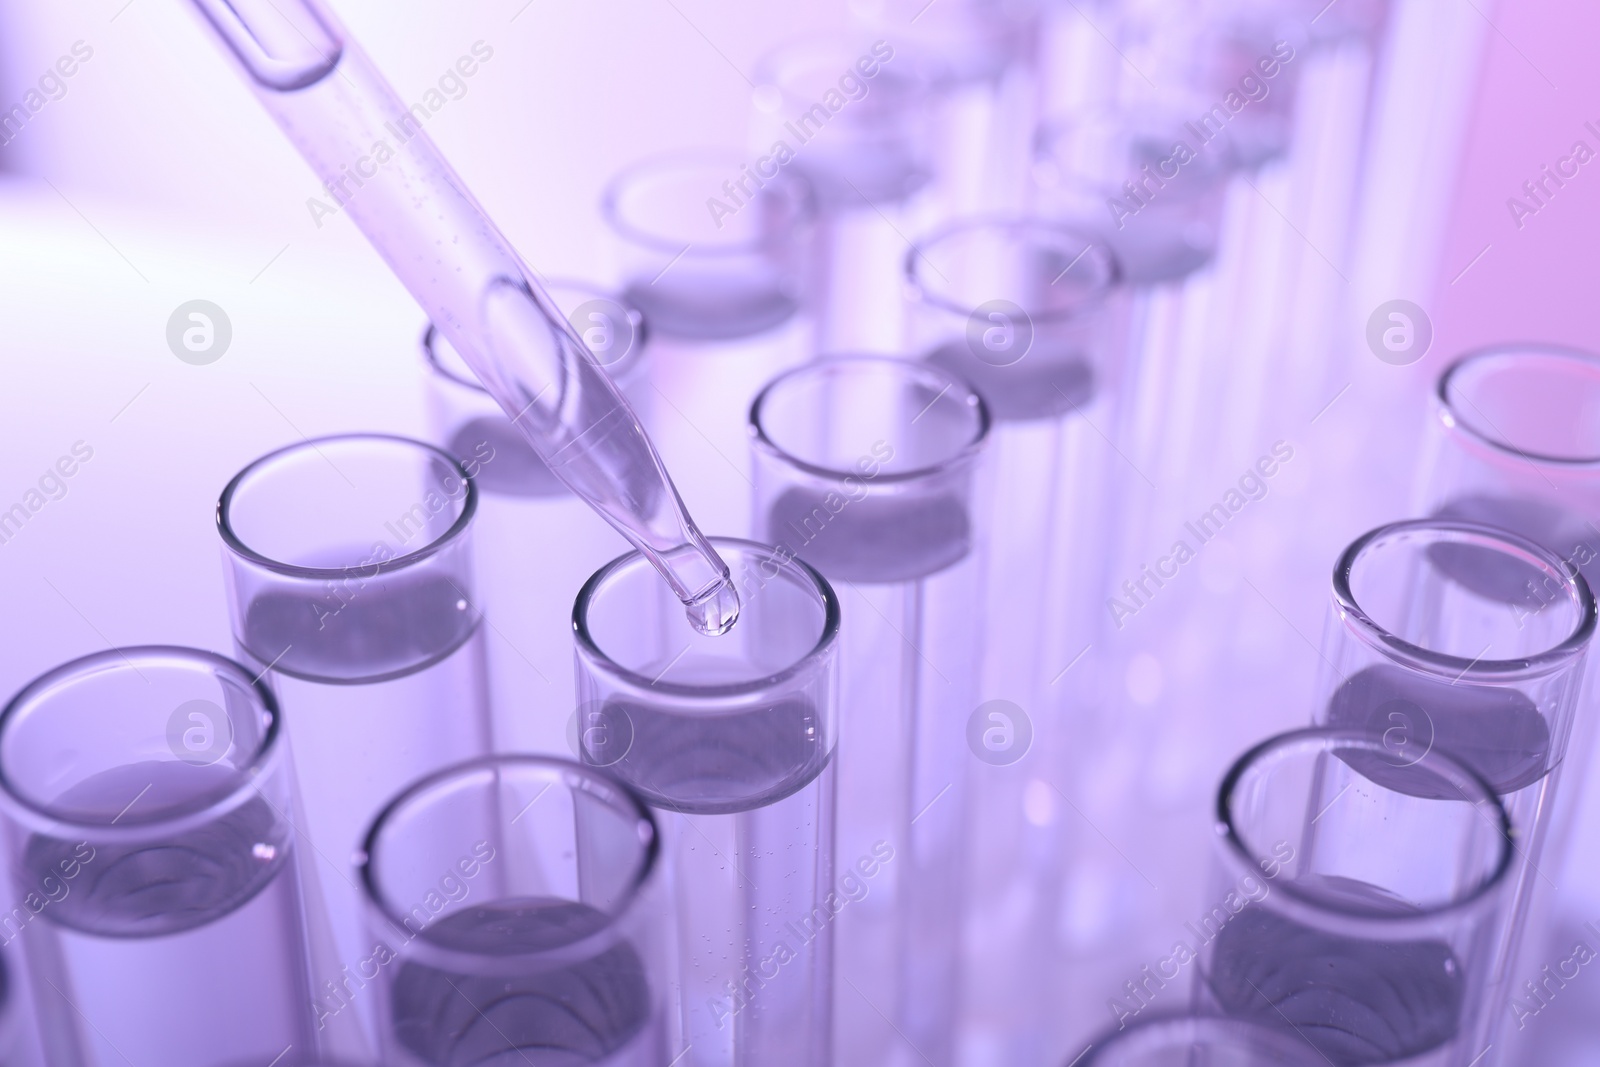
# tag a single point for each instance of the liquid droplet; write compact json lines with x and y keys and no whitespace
{"x":715,"y":613}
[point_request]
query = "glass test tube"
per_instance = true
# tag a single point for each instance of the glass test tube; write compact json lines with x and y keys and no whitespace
{"x":977,"y":56}
{"x":1019,"y":307}
{"x":731,"y":741}
{"x":858,"y":120}
{"x":1516,"y":446}
{"x":1206,"y":49}
{"x":1197,"y":1041}
{"x":349,"y":571}
{"x":867,"y":468}
{"x":1144,"y":182}
{"x":1513,"y":446}
{"x":14,"y":1005}
{"x":1353,"y":901}
{"x":1137,"y":177}
{"x":717,"y":258}
{"x":148,"y":801}
{"x":518,"y":905}
{"x":534,"y":541}
{"x":1461,"y":638}
{"x":1292,"y":91}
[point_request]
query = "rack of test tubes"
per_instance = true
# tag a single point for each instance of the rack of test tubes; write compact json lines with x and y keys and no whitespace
{"x":1017,"y":562}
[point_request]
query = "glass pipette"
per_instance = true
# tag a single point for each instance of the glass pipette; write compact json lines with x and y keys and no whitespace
{"x":380,"y":167}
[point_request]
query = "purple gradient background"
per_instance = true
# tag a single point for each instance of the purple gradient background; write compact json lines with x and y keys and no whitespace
{"x":158,"y":179}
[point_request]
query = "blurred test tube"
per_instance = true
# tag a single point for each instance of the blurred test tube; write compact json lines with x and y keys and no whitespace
{"x":534,"y":541}
{"x":1515,"y":445}
{"x":857,"y":120}
{"x":868,"y":469}
{"x":349,"y":571}
{"x":977,"y":57}
{"x":1025,"y":309}
{"x":716,"y":257}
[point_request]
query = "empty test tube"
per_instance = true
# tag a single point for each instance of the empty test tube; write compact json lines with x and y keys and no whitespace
{"x":1354,"y":900}
{"x":349,"y":572}
{"x":517,"y":916}
{"x":869,"y":470}
{"x":148,"y":798}
{"x":731,"y":741}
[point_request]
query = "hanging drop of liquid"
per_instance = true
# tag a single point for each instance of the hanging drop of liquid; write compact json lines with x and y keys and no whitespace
{"x":715,"y":613}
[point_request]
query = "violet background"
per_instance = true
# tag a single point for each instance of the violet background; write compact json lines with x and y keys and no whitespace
{"x":158,"y":179}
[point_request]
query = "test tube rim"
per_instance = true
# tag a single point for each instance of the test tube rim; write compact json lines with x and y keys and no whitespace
{"x":618,"y":370}
{"x":1453,"y":418}
{"x":1321,"y":913}
{"x":43,"y":819}
{"x":1451,"y":667}
{"x":804,"y":203}
{"x":235,"y":543}
{"x":1113,"y":1041}
{"x":583,"y":947}
{"x":708,"y":696}
{"x":775,"y":61}
{"x":920,"y":291}
{"x":1053,"y":129}
{"x":966,"y":455}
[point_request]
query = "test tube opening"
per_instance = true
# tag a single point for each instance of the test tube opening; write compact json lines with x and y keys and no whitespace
{"x":727,"y":266}
{"x":518,"y":896}
{"x":349,"y":556}
{"x":1337,"y":885}
{"x":1013,"y":305}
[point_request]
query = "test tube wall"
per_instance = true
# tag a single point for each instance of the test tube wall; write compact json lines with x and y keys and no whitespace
{"x":731,"y":740}
{"x":869,"y":470}
{"x":349,"y":572}
{"x":526,"y":596}
{"x":148,"y":799}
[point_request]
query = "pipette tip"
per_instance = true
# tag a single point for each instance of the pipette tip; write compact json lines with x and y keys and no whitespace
{"x":714,"y":612}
